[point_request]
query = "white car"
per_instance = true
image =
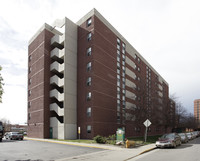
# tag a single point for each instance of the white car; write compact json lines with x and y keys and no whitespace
{"x":189,"y":135}
{"x":14,"y":136}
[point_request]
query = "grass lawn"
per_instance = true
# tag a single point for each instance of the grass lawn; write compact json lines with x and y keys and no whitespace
{"x":78,"y":141}
{"x":140,"y":140}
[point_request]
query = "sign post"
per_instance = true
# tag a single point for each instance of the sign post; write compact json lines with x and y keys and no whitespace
{"x":79,"y":133}
{"x":147,"y":123}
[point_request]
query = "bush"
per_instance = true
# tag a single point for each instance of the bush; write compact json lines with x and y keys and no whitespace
{"x":100,"y":139}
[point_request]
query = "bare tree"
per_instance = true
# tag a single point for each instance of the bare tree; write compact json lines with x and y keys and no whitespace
{"x":6,"y":124}
{"x":1,"y":85}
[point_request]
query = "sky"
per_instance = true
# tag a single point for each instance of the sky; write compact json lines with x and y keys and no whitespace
{"x":165,"y":32}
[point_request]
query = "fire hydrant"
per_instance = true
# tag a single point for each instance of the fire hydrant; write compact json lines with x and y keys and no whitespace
{"x":129,"y":143}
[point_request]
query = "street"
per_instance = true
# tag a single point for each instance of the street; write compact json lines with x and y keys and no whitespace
{"x":185,"y":152}
{"x":35,"y":150}
{"x":29,"y":150}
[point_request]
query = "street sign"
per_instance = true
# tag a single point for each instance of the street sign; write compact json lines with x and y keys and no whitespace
{"x":79,"y":133}
{"x":79,"y":130}
{"x":147,"y":123}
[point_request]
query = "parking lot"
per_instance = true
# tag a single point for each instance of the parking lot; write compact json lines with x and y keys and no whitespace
{"x":35,"y":150}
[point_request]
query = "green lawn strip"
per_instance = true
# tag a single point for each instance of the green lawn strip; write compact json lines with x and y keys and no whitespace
{"x":140,"y":140}
{"x":77,"y":141}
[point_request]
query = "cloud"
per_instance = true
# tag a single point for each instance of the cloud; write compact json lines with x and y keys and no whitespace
{"x":166,"y":33}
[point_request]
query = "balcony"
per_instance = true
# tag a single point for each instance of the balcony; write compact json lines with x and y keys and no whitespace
{"x":58,"y":41}
{"x":56,"y":80}
{"x":57,"y":109}
{"x":55,"y":93}
{"x":57,"y":53}
{"x":57,"y":67}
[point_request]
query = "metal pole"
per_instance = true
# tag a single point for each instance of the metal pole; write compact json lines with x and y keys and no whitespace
{"x":146,"y":135}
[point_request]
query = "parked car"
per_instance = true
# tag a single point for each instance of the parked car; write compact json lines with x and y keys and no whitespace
{"x":184,"y":138}
{"x":189,"y":135}
{"x":14,"y":136}
{"x":195,"y":134}
{"x":169,"y":140}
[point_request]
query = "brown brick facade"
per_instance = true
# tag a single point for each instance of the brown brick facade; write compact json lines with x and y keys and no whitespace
{"x":100,"y":112}
{"x":39,"y":77}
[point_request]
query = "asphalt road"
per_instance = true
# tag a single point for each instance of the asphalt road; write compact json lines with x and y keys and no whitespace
{"x":185,"y":152}
{"x":27,"y":150}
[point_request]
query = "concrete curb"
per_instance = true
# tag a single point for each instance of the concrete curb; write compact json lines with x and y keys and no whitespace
{"x":68,"y":143}
{"x":145,"y":151}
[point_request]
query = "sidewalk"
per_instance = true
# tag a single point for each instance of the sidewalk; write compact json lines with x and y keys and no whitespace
{"x":110,"y":153}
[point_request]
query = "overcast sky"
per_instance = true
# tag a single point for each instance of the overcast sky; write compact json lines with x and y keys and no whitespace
{"x":165,"y":32}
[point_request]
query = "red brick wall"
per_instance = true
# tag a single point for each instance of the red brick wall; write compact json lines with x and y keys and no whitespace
{"x":39,"y":49}
{"x":104,"y":82}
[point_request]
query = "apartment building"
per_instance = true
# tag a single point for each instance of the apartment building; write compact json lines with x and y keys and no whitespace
{"x":87,"y":75}
{"x":197,"y":109}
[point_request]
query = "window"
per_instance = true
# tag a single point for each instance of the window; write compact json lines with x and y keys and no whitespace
{"x":123,"y":57}
{"x":89,"y":66}
{"x":123,"y":91}
{"x":29,"y":58}
{"x":29,"y":116}
{"x":118,"y":59}
{"x":89,"y":22}
{"x":123,"y":51}
{"x":118,"y":65}
{"x":89,"y":128}
{"x":89,"y":51}
{"x":89,"y":36}
{"x":118,"y":96}
{"x":123,"y":98}
{"x":138,"y":69}
{"x":89,"y":95}
{"x":124,"y":46}
{"x":123,"y":85}
{"x":123,"y":74}
{"x":29,"y":92}
{"x":118,"y":117}
{"x":118,"y":77}
{"x":123,"y":68}
{"x":118,"y":41}
{"x":89,"y":112}
{"x":123,"y":79}
{"x":118,"y":90}
{"x":118,"y":47}
{"x":123,"y":62}
{"x":29,"y":81}
{"x":29,"y":104}
{"x":29,"y":69}
{"x":118,"y":52}
{"x":118,"y":71}
{"x":89,"y":81}
{"x":138,"y":60}
{"x":118,"y":107}
{"x":118,"y":83}
{"x":138,"y":98}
